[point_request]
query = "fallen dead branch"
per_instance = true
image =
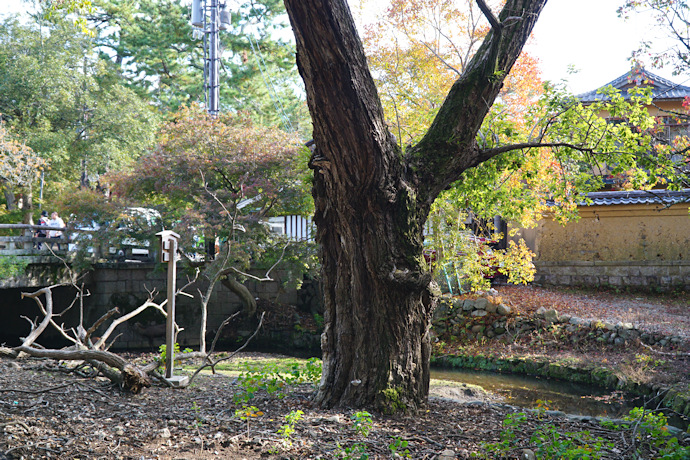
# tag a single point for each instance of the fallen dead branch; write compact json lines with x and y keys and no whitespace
{"x":18,"y":423}
{"x":126,"y":375}
{"x":94,"y":353}
{"x":665,"y":353}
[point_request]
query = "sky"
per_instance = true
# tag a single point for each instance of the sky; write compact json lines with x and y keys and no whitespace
{"x":585,"y":34}
{"x":589,"y":35}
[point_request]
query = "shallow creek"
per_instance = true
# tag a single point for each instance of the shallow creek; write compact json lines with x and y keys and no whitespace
{"x":532,"y":392}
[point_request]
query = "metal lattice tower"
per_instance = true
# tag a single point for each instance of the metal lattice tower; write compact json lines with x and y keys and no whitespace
{"x":210,"y":17}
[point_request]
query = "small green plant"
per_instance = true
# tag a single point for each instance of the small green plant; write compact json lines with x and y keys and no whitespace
{"x":198,"y":420}
{"x":399,"y":448}
{"x":275,"y":378}
{"x":651,"y":439}
{"x":286,"y":430}
{"x":356,"y":451}
{"x":163,"y":355}
{"x":648,"y":361}
{"x":654,"y":435}
{"x":547,"y":441}
{"x":246,"y":413}
{"x":362,"y":422}
{"x":542,"y":406}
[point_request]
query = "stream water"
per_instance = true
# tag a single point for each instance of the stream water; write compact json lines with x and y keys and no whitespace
{"x":569,"y":397}
{"x":531,"y":392}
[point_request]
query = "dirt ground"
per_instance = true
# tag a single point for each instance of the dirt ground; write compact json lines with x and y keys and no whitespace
{"x":47,"y":411}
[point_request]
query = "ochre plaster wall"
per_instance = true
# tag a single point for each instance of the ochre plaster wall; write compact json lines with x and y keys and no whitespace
{"x":644,"y":246}
{"x":618,"y":233}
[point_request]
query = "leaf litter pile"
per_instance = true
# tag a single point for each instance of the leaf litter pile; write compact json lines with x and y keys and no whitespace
{"x":50,"y":410}
{"x":667,"y":313}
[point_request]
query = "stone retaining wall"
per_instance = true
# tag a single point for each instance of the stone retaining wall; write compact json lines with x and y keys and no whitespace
{"x":126,"y":286}
{"x":488,"y":317}
{"x":648,"y":275}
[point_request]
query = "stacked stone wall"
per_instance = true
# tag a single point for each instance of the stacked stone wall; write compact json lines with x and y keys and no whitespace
{"x":644,"y":275}
{"x":487,"y":317}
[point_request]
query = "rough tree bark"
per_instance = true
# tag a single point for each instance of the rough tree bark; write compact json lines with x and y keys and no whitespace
{"x":372,"y":201}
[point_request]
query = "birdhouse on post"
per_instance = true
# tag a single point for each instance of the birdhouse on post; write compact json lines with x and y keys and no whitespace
{"x":168,"y":240}
{"x":168,"y":255}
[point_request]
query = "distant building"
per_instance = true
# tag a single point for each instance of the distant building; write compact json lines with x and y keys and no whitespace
{"x":667,"y":107}
{"x":624,"y":238}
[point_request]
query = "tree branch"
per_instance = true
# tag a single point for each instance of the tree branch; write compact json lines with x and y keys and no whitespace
{"x":214,"y":363}
{"x":449,"y":146}
{"x":490,"y":153}
{"x":495,"y":24}
{"x":31,"y":338}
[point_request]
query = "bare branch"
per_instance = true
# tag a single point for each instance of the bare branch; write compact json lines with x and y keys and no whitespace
{"x":110,"y":313}
{"x":124,"y":318}
{"x":220,"y":328}
{"x":214,"y":363}
{"x":664,"y":353}
{"x":31,"y":338}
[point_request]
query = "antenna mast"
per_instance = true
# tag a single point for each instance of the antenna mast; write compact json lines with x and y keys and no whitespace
{"x":209,"y":17}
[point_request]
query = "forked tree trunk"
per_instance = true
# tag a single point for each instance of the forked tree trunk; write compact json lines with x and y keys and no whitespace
{"x":372,"y":201}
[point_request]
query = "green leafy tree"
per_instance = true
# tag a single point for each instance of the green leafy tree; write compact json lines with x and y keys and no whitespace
{"x":219,"y":179}
{"x":416,"y":50}
{"x":152,"y":44}
{"x":20,"y":169}
{"x":60,"y":100}
{"x":373,"y":200}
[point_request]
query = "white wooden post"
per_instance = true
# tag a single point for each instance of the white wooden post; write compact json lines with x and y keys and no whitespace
{"x":168,"y":254}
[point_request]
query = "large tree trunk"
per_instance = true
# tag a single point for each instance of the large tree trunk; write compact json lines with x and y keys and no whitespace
{"x":241,"y":291}
{"x":378,"y":306}
{"x":372,"y":202}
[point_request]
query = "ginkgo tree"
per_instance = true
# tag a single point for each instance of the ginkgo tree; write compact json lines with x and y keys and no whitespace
{"x":416,"y":49}
{"x":373,"y":199}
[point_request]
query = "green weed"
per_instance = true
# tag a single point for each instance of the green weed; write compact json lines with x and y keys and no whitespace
{"x":362,"y":422}
{"x":286,"y":430}
{"x":648,"y":429}
{"x":246,"y":413}
{"x":399,"y":448}
{"x":162,"y":352}
{"x":275,"y":377}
